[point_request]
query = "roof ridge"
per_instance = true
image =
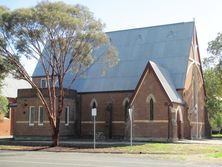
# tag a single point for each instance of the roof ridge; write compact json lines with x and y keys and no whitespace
{"x":162,"y":25}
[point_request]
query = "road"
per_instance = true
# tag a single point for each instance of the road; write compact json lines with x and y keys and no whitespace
{"x":58,"y":159}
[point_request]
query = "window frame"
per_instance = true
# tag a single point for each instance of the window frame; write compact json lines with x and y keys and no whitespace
{"x":30,"y":115}
{"x":67,"y":113}
{"x":41,"y":85}
{"x":41,"y":123}
{"x":93,"y":103}
{"x":126,"y":107}
{"x":151,"y":109}
{"x":148,"y":100}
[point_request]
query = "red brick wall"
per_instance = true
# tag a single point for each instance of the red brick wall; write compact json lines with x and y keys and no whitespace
{"x":143,"y":126}
{"x":27,"y":98}
{"x":103,"y":99}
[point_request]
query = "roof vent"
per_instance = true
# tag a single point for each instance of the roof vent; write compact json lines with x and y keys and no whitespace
{"x":140,"y":37}
{"x":170,"y":34}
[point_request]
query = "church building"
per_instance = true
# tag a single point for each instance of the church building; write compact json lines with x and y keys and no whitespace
{"x":159,"y":76}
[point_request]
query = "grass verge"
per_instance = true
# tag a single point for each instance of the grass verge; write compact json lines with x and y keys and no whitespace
{"x":192,"y":152}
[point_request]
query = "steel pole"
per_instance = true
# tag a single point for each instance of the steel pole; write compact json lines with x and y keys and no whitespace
{"x":131,"y":131}
{"x":94,"y":129}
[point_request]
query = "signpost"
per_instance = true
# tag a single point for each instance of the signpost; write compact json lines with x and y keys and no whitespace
{"x":131,"y":126}
{"x":94,"y":112}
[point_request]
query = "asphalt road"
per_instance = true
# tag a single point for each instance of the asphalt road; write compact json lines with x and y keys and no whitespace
{"x":53,"y":159}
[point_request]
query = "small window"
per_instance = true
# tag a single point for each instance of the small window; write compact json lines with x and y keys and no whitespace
{"x":67,"y":115}
{"x":43,"y":83}
{"x":31,"y":115}
{"x":40,"y":115}
{"x":151,"y":109}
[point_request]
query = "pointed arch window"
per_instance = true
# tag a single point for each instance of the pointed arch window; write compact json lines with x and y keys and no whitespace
{"x":151,"y":106}
{"x":126,"y":107}
{"x":93,"y":103}
{"x":151,"y":109}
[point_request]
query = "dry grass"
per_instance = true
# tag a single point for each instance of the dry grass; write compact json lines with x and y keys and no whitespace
{"x":208,"y":153}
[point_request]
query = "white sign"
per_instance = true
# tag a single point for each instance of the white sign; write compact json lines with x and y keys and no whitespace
{"x":130,"y":113}
{"x":94,"y":112}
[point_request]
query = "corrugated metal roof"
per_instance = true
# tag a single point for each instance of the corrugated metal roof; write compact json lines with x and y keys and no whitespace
{"x":166,"y":82}
{"x":166,"y":45}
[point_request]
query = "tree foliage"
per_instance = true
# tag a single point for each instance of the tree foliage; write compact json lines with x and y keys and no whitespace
{"x":213,"y":81}
{"x":68,"y":33}
{"x":3,"y":105}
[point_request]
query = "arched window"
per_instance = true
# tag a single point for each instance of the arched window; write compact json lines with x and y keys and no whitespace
{"x":151,"y":109}
{"x":125,"y":108}
{"x":93,"y":103}
{"x":151,"y":101}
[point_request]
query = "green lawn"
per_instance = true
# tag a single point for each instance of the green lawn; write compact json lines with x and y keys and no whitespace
{"x":217,"y":135}
{"x":216,"y":155}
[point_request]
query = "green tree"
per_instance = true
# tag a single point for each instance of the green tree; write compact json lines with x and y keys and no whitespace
{"x":3,"y":105}
{"x":215,"y":48}
{"x":213,"y":81}
{"x":213,"y":85}
{"x":68,"y":34}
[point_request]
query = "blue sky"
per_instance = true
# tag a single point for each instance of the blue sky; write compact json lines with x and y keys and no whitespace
{"x":125,"y":14}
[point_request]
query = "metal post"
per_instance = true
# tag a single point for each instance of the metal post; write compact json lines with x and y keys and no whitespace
{"x":94,"y":127}
{"x":197,"y":124}
{"x":131,"y":132}
{"x":131,"y":126}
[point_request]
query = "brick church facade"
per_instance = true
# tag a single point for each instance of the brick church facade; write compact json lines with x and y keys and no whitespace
{"x":159,"y":76}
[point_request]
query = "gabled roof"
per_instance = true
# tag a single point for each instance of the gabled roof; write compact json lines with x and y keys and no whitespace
{"x":166,"y":45}
{"x":166,"y":82}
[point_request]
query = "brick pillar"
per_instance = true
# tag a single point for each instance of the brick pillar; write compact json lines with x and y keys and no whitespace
{"x":174,"y":136}
{"x":182,"y":130}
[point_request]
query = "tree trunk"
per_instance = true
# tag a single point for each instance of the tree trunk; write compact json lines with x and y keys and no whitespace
{"x":55,"y":136}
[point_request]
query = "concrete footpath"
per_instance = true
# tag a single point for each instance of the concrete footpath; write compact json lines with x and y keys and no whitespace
{"x":72,"y":143}
{"x":201,"y":141}
{"x":8,"y":140}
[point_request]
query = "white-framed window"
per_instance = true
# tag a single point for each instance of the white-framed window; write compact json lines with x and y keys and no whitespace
{"x":40,"y":115}
{"x":67,"y":115}
{"x":43,"y":83}
{"x":31,"y":116}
